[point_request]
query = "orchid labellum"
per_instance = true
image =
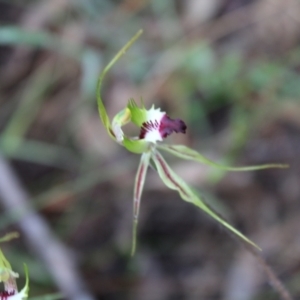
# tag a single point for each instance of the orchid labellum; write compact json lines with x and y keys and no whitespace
{"x":155,"y":125}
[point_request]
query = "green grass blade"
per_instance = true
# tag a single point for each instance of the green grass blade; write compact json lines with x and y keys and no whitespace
{"x":9,"y":236}
{"x":190,"y":154}
{"x":28,"y":108}
{"x":174,"y":182}
{"x":14,"y":35}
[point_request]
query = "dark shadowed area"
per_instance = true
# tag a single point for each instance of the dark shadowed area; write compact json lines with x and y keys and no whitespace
{"x":229,"y":68}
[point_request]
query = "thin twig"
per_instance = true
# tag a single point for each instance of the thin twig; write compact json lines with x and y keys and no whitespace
{"x":39,"y":237}
{"x":273,"y":279}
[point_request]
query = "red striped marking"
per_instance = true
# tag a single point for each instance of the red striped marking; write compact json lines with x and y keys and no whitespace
{"x":166,"y":171}
{"x":138,"y":189}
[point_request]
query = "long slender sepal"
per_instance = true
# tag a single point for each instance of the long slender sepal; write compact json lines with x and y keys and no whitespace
{"x":138,"y":189}
{"x":174,"y":182}
{"x":190,"y":154}
{"x":101,"y":108}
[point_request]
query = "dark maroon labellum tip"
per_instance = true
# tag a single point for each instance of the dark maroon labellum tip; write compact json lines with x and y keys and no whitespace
{"x":168,"y":126}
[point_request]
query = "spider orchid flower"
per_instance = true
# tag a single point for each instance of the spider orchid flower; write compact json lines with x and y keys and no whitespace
{"x":8,"y":277}
{"x":155,"y":125}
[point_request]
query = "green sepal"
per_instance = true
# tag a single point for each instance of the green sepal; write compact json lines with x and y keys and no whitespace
{"x":190,"y":154}
{"x":138,"y":115}
{"x":174,"y":182}
{"x":104,"y":116}
{"x":101,"y":108}
{"x":135,"y":145}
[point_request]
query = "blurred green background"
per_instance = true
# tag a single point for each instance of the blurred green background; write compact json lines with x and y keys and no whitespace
{"x":229,"y":68}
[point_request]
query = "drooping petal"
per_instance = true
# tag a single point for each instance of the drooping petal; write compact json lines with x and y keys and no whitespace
{"x":173,"y":181}
{"x":138,"y":189}
{"x":190,"y":154}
